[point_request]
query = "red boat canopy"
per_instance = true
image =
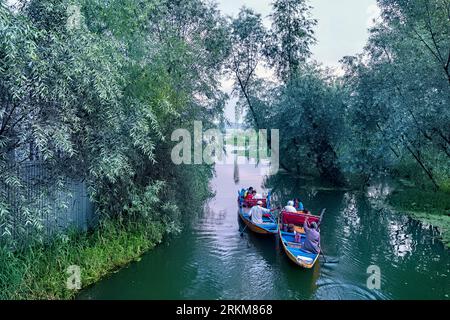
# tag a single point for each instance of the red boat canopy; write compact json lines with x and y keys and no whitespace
{"x":297,"y":218}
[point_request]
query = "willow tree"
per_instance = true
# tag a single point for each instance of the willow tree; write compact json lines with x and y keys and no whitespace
{"x":248,"y":37}
{"x":400,"y":91}
{"x":309,"y":107}
{"x":52,"y":79}
{"x":291,"y":36}
{"x":310,"y":113}
{"x":97,"y":100}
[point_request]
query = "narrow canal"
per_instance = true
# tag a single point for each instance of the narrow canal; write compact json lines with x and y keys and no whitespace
{"x":209,"y":260}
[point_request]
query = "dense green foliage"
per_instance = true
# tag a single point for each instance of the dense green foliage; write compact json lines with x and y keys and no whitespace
{"x":400,"y":93}
{"x":305,"y":103}
{"x":388,"y":114}
{"x":428,"y":206}
{"x":92,"y":90}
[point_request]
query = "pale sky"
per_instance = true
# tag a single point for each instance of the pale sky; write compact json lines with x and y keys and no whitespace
{"x":341,"y":30}
{"x":342,"y":24}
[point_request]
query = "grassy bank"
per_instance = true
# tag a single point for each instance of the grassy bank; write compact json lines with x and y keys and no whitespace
{"x":428,"y":206}
{"x":39,"y":272}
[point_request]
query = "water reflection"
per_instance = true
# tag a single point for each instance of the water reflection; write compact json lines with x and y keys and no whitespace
{"x":360,"y":232}
{"x":210,"y":260}
{"x":400,"y":240}
{"x":350,"y":216}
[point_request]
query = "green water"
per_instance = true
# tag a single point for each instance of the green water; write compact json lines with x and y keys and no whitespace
{"x":209,"y":260}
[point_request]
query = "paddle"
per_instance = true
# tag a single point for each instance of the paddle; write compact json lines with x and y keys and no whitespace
{"x":321,"y":216}
{"x":242,"y":236}
{"x":271,"y":214}
{"x":327,"y":260}
{"x":321,"y":251}
{"x":323,"y":255}
{"x":242,"y":232}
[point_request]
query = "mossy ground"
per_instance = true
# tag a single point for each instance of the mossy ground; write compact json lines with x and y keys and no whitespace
{"x":429,"y":206}
{"x":40,"y":272}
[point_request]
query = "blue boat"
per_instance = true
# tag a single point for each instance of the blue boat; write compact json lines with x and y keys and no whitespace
{"x":295,"y":252}
{"x":294,"y":249}
{"x":269,"y":227}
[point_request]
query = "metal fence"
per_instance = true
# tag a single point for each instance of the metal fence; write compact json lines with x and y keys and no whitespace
{"x":40,"y":205}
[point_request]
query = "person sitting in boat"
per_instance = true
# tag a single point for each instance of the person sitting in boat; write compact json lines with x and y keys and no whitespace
{"x":251,"y":195}
{"x":248,"y":191}
{"x":299,"y":205}
{"x":312,"y":237}
{"x":290,"y":207}
{"x":256,"y":213}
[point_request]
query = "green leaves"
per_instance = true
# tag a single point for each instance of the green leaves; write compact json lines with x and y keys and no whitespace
{"x":310,"y":114}
{"x":247,"y":36}
{"x":97,"y":102}
{"x":399,"y":91}
{"x":291,"y":36}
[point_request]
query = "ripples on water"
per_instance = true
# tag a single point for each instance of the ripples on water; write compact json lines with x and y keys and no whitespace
{"x":209,"y":260}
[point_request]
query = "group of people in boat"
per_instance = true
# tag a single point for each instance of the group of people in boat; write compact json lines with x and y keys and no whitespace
{"x":311,"y":230}
{"x":251,"y":194}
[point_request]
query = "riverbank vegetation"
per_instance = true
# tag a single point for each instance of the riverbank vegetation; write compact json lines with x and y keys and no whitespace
{"x":429,"y":206}
{"x":40,"y":272}
{"x":91,"y":91}
{"x":385,"y":115}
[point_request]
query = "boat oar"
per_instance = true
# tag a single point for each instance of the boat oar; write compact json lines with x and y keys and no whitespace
{"x":321,"y":251}
{"x":321,"y":216}
{"x":323,"y":255}
{"x":275,"y":209}
{"x":242,"y":232}
{"x":327,"y":260}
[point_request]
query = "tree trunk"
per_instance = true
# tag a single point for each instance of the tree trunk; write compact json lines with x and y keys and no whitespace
{"x":326,"y":160}
{"x":422,"y":165}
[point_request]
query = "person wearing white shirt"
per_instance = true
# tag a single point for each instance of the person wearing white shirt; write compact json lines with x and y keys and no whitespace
{"x":290,"y":207}
{"x":256,"y":213}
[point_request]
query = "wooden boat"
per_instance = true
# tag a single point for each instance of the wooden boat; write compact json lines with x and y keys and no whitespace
{"x":269,"y":227}
{"x":294,"y":250}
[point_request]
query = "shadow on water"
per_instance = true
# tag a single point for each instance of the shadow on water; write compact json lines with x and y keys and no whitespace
{"x":209,"y":259}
